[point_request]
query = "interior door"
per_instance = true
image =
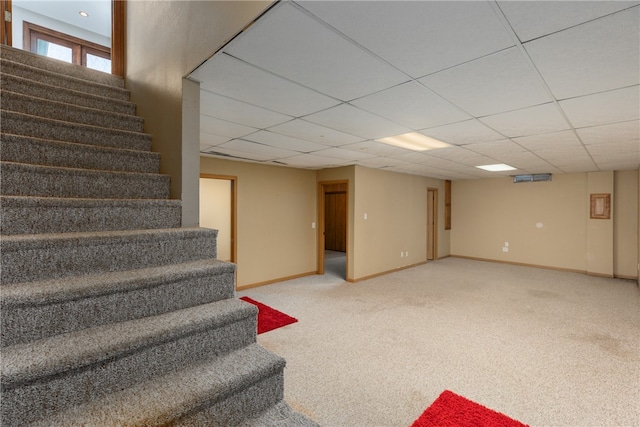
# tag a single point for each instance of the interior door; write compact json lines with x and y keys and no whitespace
{"x":335,"y":213}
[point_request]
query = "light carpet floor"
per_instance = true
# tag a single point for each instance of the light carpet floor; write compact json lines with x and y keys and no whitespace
{"x":547,"y":348}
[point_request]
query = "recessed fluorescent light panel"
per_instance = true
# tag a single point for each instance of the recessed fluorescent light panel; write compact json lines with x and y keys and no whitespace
{"x":414,"y":141}
{"x":500,"y":167}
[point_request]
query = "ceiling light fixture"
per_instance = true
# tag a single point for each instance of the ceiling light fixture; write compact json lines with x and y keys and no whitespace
{"x":414,"y":141}
{"x":83,"y":13}
{"x":500,"y":167}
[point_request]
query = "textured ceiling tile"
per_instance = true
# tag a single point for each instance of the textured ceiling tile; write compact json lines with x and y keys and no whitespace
{"x":528,"y":121}
{"x":223,"y":128}
{"x":211,"y":139}
{"x":281,"y":141}
{"x":231,"y":110}
{"x":250,"y":148}
{"x":344,"y":154}
{"x":494,"y":148}
{"x":462,"y":133}
{"x":412,"y":105}
{"x":325,"y":61}
{"x":312,"y":161}
{"x":619,"y":105}
{"x":549,"y":141}
{"x":374,"y":147}
{"x":432,"y":35}
{"x":236,"y":79}
{"x":493,"y":84}
{"x":308,"y":131}
{"x":625,"y":131}
{"x":533,"y":19}
{"x":352,"y":120}
{"x":600,"y":55}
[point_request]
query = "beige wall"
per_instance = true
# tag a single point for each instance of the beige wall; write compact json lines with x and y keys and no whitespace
{"x":165,"y":41}
{"x":276,"y":207}
{"x":396,"y":208}
{"x":547,"y":223}
{"x":625,"y":224}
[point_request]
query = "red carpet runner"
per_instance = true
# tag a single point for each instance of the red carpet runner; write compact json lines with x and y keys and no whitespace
{"x":269,"y":318}
{"x":451,"y":410}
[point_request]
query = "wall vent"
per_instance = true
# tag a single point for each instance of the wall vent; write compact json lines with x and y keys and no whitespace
{"x":536,"y":177}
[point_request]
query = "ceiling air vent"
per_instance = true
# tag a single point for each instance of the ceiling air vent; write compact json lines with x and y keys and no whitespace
{"x":536,"y":177}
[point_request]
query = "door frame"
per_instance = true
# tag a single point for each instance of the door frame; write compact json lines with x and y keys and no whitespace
{"x":322,"y":190}
{"x":234,"y":210}
{"x":433,"y":227}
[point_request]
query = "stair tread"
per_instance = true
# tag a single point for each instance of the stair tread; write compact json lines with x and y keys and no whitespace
{"x":29,"y":362}
{"x":62,"y":68}
{"x":22,"y":201}
{"x":280,"y":415}
{"x":53,"y":291}
{"x":102,"y":148}
{"x":33,"y":241}
{"x":51,"y":91}
{"x":70,"y":112}
{"x":73,"y":171}
{"x":161,"y":400}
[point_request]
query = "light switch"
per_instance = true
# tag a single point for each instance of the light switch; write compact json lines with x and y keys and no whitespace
{"x":365,"y":215}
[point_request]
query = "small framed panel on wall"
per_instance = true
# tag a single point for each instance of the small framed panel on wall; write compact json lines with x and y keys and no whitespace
{"x":600,"y":206}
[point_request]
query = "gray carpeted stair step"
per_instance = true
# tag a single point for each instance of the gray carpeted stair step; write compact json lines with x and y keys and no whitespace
{"x":49,"y":375}
{"x":280,"y":415}
{"x":36,"y":310}
{"x":64,"y":81}
{"x":33,"y":215}
{"x":27,"y":258}
{"x":41,"y":107}
{"x":61,"y":67}
{"x":40,"y":127}
{"x":37,"y":151}
{"x":218,"y":392}
{"x":60,"y":94}
{"x":19,"y":179}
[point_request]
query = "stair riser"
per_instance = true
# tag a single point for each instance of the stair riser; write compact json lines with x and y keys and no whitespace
{"x":66,"y":69}
{"x":237,"y":408}
{"x":38,"y":127}
{"x":17,"y":180}
{"x":54,"y":93}
{"x":41,"y":261}
{"x":30,"y":402}
{"x":25,"y":104}
{"x":25,"y":323}
{"x":59,"y":80}
{"x":22,"y":149}
{"x":63,"y":219}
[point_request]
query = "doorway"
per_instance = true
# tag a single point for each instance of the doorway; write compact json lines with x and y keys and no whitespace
{"x":333,"y":199}
{"x":432,"y":224}
{"x":218,"y":195}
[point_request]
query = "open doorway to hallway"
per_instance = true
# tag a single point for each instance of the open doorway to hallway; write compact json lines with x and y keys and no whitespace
{"x":332,"y":231}
{"x":218,"y":211}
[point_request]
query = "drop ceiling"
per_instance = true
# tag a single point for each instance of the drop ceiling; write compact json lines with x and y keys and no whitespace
{"x":544,"y":86}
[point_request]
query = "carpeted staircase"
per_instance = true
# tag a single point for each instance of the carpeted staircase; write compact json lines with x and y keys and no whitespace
{"x":111,"y":313}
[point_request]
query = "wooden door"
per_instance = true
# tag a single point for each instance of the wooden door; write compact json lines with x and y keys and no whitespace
{"x":335,"y":214}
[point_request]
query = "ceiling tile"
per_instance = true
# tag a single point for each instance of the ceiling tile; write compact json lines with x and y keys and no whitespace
{"x":286,"y":142}
{"x":464,"y":30}
{"x":211,"y":139}
{"x":533,"y":19}
{"x":412,"y":105}
{"x":325,"y":61}
{"x":495,"y":148}
{"x":227,"y":153}
{"x":625,"y":131}
{"x":462,"y":133}
{"x":313,"y":161}
{"x":600,"y":55}
{"x":223,"y":128}
{"x":250,"y":148}
{"x":352,"y":120}
{"x":528,"y":121}
{"x":308,"y":131}
{"x":380,"y":162}
{"x":619,"y":105}
{"x":375,"y":148}
{"x":614,"y":149}
{"x":221,"y":107}
{"x":236,"y":79}
{"x":549,"y":141}
{"x":493,"y":84}
{"x":344,"y":154}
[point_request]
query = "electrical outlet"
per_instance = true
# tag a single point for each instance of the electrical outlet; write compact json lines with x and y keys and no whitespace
{"x":407,"y":254}
{"x":401,"y":254}
{"x":505,"y":249}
